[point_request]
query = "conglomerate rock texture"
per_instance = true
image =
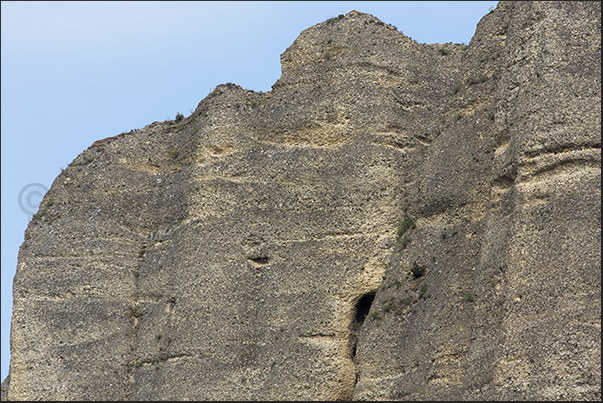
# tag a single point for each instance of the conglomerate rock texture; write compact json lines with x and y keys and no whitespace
{"x":393,"y":220}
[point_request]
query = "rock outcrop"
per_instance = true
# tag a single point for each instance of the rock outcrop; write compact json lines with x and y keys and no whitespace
{"x":393,"y":220}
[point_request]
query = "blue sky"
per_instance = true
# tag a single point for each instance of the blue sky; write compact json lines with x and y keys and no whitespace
{"x":75,"y":72}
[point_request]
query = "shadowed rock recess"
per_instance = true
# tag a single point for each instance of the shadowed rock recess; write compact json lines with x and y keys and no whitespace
{"x":393,"y":220}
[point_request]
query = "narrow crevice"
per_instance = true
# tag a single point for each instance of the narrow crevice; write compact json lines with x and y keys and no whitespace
{"x":554,"y":150}
{"x":361,"y":311}
{"x":574,"y":163}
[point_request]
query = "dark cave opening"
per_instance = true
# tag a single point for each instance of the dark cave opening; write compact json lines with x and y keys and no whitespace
{"x":362,"y":308}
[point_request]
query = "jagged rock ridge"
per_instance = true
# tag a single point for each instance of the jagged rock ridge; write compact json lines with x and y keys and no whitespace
{"x":393,"y":220}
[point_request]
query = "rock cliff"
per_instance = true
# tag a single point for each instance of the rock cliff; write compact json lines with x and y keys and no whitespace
{"x":393,"y":220}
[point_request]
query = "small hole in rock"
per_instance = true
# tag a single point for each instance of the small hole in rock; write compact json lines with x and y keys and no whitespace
{"x":259,"y":260}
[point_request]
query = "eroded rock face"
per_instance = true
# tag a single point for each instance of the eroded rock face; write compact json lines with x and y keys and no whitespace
{"x":508,"y":226}
{"x":253,"y":251}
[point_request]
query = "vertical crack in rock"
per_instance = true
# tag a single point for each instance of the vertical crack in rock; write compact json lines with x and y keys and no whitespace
{"x":361,"y":310}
